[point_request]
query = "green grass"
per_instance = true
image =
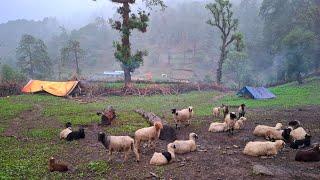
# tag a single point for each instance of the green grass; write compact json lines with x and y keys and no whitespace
{"x":288,"y":95}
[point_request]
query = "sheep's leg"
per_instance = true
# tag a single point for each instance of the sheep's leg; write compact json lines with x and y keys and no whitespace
{"x":137,"y":154}
{"x":110,"y":154}
{"x":126,"y":153}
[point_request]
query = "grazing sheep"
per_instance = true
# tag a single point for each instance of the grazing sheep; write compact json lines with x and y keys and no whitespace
{"x":182,"y":116}
{"x":261,"y":130}
{"x":230,"y":120}
{"x":74,"y":135}
{"x":298,"y":134}
{"x":218,"y":127}
{"x":294,"y":124}
{"x":163,"y":158}
{"x":263,"y":148}
{"x":225,"y":110}
{"x":239,"y":124}
{"x":296,"y":144}
{"x":216,"y":111}
{"x":118,"y":143}
{"x":53,"y":166}
{"x":185,"y":146}
{"x":241,"y":110}
{"x":310,"y":155}
{"x":149,"y":134}
{"x":64,"y":133}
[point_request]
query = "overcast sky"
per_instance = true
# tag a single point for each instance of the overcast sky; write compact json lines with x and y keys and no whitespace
{"x":68,"y":12}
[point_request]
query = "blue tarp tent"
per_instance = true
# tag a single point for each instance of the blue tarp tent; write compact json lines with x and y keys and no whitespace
{"x":255,"y":93}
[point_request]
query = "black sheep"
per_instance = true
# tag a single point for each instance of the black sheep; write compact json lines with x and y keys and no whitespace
{"x":310,"y":155}
{"x":74,"y":135}
{"x":301,"y":143}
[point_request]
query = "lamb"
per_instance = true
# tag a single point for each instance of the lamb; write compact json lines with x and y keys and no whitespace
{"x":261,"y":130}
{"x":230,"y":120}
{"x":75,"y":135}
{"x":296,"y":144}
{"x":263,"y":148}
{"x":218,"y":127}
{"x":53,"y":166}
{"x":182,"y":116}
{"x":273,"y":134}
{"x":163,"y":158}
{"x":241,"y":110}
{"x":311,"y":155}
{"x":64,"y":133}
{"x":225,"y":110}
{"x":119,"y":144}
{"x":185,"y":146}
{"x":148,"y":134}
{"x":216,"y":111}
{"x":298,"y":134}
{"x":240,"y":123}
{"x":294,"y":124}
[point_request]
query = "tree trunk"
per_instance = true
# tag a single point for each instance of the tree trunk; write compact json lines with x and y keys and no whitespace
{"x":126,"y":42}
{"x":221,"y":60}
{"x":77,"y":62}
{"x":127,"y":77}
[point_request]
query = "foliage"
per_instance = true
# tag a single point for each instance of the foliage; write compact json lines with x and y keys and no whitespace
{"x":33,"y":57}
{"x":9,"y":75}
{"x":227,"y":25}
{"x":72,"y":54}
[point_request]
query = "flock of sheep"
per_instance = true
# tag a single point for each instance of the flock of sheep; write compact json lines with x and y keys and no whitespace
{"x":294,"y":135}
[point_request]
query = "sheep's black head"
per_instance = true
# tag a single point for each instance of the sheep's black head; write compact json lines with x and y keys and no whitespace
{"x":52,"y":160}
{"x":307,"y":136}
{"x":101,"y":136}
{"x":294,"y":124}
{"x":190,"y":108}
{"x":174,"y":111}
{"x":286,"y":134}
{"x":233,"y":115}
{"x":68,"y":124}
{"x":243,"y":105}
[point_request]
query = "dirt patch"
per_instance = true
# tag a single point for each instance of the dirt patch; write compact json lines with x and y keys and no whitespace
{"x":219,"y":156}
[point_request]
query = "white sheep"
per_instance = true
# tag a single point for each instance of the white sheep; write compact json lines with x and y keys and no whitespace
{"x":261,"y":130}
{"x":119,"y":144}
{"x":216,"y":111}
{"x":239,"y":124}
{"x":185,"y":146}
{"x":263,"y":148}
{"x":163,"y":158}
{"x":298,"y":134}
{"x":182,"y":116}
{"x":218,"y":127}
{"x":149,"y":134}
{"x":274,"y":134}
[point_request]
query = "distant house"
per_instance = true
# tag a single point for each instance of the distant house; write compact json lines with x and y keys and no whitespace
{"x":256,"y":93}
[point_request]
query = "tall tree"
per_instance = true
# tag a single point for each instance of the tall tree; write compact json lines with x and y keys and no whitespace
{"x":72,"y":53}
{"x":227,"y":25}
{"x":130,"y":21}
{"x":33,"y":57}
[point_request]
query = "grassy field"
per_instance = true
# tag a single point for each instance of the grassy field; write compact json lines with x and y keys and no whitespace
{"x":41,"y":117}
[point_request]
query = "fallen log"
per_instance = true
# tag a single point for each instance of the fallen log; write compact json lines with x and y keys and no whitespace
{"x":168,"y":133}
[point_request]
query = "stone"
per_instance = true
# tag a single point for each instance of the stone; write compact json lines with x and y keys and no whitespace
{"x":261,"y":170}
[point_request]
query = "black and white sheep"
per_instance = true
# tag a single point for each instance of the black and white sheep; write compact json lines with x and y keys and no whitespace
{"x":230,"y":119}
{"x":310,"y":155}
{"x":259,"y":148}
{"x":182,"y":116}
{"x":274,"y":134}
{"x":53,"y":166}
{"x":185,"y":146}
{"x":163,"y":158}
{"x":64,"y":133}
{"x":241,"y":110}
{"x":296,"y":144}
{"x":260,"y":130}
{"x":75,"y":135}
{"x":119,"y":144}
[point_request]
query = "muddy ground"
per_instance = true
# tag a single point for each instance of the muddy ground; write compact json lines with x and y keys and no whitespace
{"x":219,"y":156}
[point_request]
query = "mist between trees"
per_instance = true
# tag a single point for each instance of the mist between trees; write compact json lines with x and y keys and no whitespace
{"x":271,"y":41}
